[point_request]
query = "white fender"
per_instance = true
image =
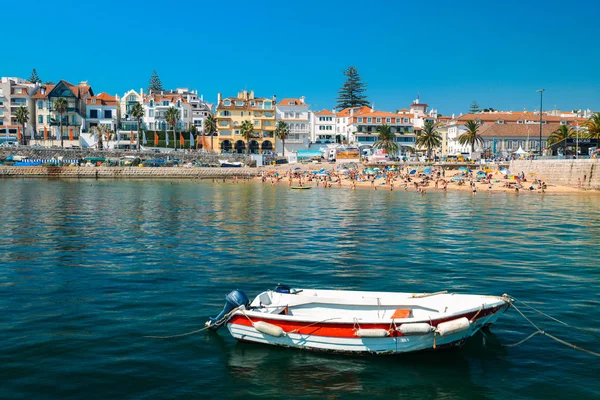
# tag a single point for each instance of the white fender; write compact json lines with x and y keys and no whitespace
{"x":454,"y":326}
{"x":416,"y":329}
{"x":373,"y":333}
{"x":269,"y":329}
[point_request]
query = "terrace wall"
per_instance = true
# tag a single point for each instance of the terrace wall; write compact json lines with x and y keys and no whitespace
{"x":562,"y":172}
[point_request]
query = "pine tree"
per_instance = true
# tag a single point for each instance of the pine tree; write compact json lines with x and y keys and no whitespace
{"x":155,"y":84}
{"x":474,"y":109}
{"x":34,"y":78}
{"x":351,"y":92}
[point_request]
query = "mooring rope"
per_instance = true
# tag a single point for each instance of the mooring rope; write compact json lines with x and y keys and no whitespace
{"x":225,"y":317}
{"x":583,"y":330}
{"x":541,"y":332}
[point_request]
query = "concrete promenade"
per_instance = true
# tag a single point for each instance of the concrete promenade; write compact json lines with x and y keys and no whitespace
{"x":562,"y":172}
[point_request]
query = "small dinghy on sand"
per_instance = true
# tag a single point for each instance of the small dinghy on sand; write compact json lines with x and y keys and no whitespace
{"x":358,"y":322}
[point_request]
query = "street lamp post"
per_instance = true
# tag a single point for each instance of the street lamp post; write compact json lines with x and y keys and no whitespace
{"x":541,"y":92}
{"x":576,"y":139}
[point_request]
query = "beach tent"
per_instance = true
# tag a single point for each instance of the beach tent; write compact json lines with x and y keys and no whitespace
{"x":520,"y":151}
{"x":427,"y":171}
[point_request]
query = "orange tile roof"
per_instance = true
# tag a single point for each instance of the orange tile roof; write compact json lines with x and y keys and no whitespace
{"x":382,"y":114}
{"x":324,"y":112}
{"x":39,"y":94}
{"x":511,"y":117}
{"x":517,"y":130}
{"x":346,"y":111}
{"x":103,"y":99}
{"x":287,"y":101}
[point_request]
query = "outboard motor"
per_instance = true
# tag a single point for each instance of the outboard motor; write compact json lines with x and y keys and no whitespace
{"x":233,"y":300}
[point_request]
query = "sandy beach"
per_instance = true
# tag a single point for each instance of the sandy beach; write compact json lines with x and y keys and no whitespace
{"x":403,"y":180}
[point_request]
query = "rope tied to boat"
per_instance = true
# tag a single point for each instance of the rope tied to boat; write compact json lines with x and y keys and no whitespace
{"x":539,"y":331}
{"x":225,"y":318}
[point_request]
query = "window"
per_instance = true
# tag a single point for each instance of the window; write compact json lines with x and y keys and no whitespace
{"x":151,"y":113}
{"x":388,"y":120}
{"x":131,"y":98}
{"x":378,"y":120}
{"x":291,"y":103}
{"x":40,"y":119}
{"x":369,"y":120}
{"x":406,"y":120}
{"x":40,"y":105}
{"x":519,"y":122}
{"x":500,"y":121}
{"x":225,"y":113}
{"x":93,"y":113}
{"x":226,"y":103}
{"x":48,"y":118}
{"x":359,"y":119}
{"x":165,"y":102}
{"x":397,"y":120}
{"x":239,"y":103}
{"x":237,"y":132}
{"x":151,"y":103}
{"x":563,"y":122}
{"x":185,"y":113}
{"x":107,"y":113}
{"x":178,"y":103}
{"x":252,"y":104}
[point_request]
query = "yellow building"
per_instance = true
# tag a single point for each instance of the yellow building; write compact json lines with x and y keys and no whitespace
{"x":232,"y":111}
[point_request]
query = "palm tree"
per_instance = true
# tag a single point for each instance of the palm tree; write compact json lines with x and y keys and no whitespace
{"x":593,"y":127}
{"x":100,"y":131}
{"x":60,"y":106}
{"x":471,"y":136}
{"x":210,"y":127}
{"x":22,"y":116}
{"x":247,"y":131}
{"x":561,"y":133}
{"x":386,"y":140}
{"x":137,"y":112}
{"x":282,"y":130}
{"x":172,"y":116}
{"x":429,"y":137}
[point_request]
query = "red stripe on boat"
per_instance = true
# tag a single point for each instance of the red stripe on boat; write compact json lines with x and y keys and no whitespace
{"x":343,"y":330}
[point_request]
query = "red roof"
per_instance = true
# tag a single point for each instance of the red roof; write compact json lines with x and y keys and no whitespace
{"x":287,"y":101}
{"x":103,"y":99}
{"x":357,"y":110}
{"x":324,"y":112}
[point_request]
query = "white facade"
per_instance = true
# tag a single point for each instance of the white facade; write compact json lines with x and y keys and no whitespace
{"x":294,"y":112}
{"x":156,"y":106}
{"x":15,"y":92}
{"x":101,"y":110}
{"x":323,"y":124}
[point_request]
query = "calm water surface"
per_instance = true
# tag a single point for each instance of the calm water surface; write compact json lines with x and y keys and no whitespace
{"x":88,"y":268}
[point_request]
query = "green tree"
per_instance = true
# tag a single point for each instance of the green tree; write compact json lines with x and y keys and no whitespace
{"x":561,"y":133}
{"x":155,"y":85}
{"x":474,"y":108}
{"x":60,"y":107}
{"x":22,"y":116}
{"x":137,"y":112}
{"x":352,"y":91}
{"x":48,"y":83}
{"x":471,"y":136}
{"x":210,"y":128}
{"x":172,"y":115}
{"x":282,"y":130}
{"x":247,"y":131}
{"x":593,"y":127}
{"x":429,"y":137}
{"x":34,"y":78}
{"x":386,"y":140}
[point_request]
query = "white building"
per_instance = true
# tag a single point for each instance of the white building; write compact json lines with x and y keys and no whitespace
{"x":294,"y":112}
{"x":323,"y":127}
{"x":342,"y":122}
{"x":101,"y":110}
{"x":200,"y":109}
{"x":15,"y":92}
{"x":156,"y":105}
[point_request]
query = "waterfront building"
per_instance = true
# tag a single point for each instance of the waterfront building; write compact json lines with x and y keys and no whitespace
{"x":102,"y":110}
{"x":231,"y":112}
{"x":323,"y":127}
{"x":362,"y":127}
{"x":504,"y":132}
{"x":198,"y":108}
{"x":294,"y":112}
{"x":156,"y":105}
{"x":14,"y":93}
{"x":342,"y":122}
{"x":47,"y":120}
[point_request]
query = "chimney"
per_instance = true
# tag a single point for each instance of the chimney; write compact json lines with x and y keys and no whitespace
{"x":141,"y":91}
{"x":302,"y":99}
{"x":218,"y":98}
{"x":274,"y":98}
{"x":162,"y":93}
{"x":352,"y":112}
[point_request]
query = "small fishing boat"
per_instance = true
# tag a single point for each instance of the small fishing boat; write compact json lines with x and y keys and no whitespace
{"x":300,"y":187}
{"x":358,"y":322}
{"x":230,"y":164}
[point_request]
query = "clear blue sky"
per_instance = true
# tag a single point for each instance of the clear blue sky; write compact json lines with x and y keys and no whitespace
{"x":450,"y":52}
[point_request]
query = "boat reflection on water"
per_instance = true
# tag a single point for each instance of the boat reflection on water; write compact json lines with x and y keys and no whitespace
{"x":289,"y":373}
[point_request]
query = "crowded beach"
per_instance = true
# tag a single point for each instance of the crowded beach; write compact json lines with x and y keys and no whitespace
{"x":422,"y":179}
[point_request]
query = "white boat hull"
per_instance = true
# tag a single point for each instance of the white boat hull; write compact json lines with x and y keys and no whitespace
{"x":341,"y":334}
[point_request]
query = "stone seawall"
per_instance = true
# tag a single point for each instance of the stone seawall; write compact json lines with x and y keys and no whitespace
{"x":123,"y":172}
{"x":562,"y":172}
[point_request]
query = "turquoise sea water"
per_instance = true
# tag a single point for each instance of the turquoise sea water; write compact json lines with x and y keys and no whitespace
{"x":87,"y":268}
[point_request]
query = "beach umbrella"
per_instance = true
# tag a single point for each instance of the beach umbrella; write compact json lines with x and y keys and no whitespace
{"x":427,"y":170}
{"x":463,"y":169}
{"x":505,"y":171}
{"x":457,"y":178}
{"x":414,"y":171}
{"x":481,"y":173}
